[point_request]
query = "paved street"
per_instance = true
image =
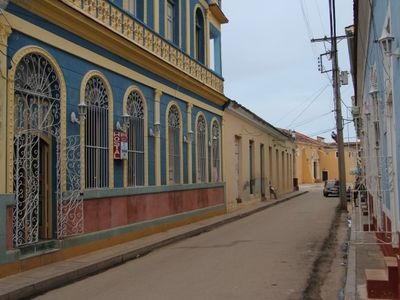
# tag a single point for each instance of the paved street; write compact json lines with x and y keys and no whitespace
{"x":268,"y":255}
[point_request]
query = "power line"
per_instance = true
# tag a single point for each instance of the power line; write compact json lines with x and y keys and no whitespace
{"x":302,"y":103}
{"x":311,"y":120}
{"x":309,"y":104}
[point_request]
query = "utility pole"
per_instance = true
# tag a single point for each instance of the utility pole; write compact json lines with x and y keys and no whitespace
{"x":337,"y":99}
{"x":338,"y":107}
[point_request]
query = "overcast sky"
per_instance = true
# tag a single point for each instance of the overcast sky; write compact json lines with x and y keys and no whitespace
{"x":270,"y":66}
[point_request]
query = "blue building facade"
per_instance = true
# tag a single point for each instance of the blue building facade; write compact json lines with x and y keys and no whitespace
{"x":374,"y":53}
{"x":111,"y":122}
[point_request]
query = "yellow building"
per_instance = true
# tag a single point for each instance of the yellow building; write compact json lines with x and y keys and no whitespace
{"x":256,"y":154}
{"x":318,"y":161}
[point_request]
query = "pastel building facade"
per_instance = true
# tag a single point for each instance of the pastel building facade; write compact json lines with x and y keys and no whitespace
{"x":257,"y":156}
{"x":317,"y":161}
{"x":110,"y":123}
{"x":374,"y":48}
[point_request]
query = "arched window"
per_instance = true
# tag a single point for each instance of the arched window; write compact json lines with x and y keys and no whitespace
{"x":215,"y":152}
{"x":199,"y":36}
{"x":96,"y":134}
{"x":135,"y":110}
{"x":174,"y":149}
{"x":201,"y":143}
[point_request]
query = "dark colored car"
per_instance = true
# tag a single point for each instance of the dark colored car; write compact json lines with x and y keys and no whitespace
{"x":331,"y":188}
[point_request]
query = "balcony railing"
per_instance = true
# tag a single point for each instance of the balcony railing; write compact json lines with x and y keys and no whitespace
{"x":117,"y":20}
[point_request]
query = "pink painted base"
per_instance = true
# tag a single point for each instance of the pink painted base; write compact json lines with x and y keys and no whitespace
{"x":101,"y":214}
{"x":9,"y":228}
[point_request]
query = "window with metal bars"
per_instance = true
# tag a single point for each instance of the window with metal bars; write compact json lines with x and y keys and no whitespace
{"x":215,"y":152}
{"x":174,"y":149}
{"x":170,"y":21}
{"x":199,"y":36}
{"x":135,"y":110}
{"x":201,"y":143}
{"x":96,"y":134}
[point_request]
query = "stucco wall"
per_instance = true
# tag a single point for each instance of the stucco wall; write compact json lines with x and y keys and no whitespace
{"x":246,"y":131}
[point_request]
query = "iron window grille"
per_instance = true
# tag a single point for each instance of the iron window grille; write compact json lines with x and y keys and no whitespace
{"x":215,"y":150}
{"x":201,"y":149}
{"x":174,"y":152}
{"x":96,"y":135}
{"x":135,"y":109}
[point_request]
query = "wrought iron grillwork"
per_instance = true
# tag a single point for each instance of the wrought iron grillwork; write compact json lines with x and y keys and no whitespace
{"x":135,"y":110}
{"x":96,"y":135}
{"x":201,"y":149}
{"x":70,"y":206}
{"x":174,"y":126}
{"x":37,"y":117}
{"x":215,"y":150}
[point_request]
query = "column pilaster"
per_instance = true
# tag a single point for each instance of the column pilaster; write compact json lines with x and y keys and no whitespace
{"x":207,"y":41}
{"x":5,"y":31}
{"x":157,"y":134}
{"x":190,"y":136}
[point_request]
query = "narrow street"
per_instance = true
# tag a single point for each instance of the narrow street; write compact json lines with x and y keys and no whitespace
{"x":268,"y":255}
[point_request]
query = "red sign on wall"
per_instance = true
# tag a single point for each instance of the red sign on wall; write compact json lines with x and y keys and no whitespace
{"x":120,"y":145}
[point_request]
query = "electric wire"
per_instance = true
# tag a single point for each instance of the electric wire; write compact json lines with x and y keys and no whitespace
{"x":308,"y":105}
{"x":310,"y":120}
{"x":302,"y":103}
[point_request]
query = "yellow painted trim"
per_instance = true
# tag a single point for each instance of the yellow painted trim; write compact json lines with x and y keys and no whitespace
{"x":189,"y":108}
{"x":129,"y":90}
{"x":5,"y":31}
{"x":198,"y":179}
{"x":79,"y":51}
{"x":170,"y":104}
{"x":18,"y":56}
{"x":214,"y":119}
{"x":207,"y":38}
{"x":157,"y":142}
{"x":156,"y":12}
{"x":110,"y":127}
{"x":145,"y":11}
{"x":204,"y":3}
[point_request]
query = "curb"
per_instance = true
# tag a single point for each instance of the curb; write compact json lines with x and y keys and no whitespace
{"x":57,"y":281}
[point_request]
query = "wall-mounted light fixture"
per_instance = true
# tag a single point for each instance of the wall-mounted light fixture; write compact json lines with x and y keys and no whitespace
{"x":118,"y":126}
{"x":157,"y":128}
{"x":125,"y":120}
{"x":82,"y":110}
{"x":74,"y":118}
{"x":386,"y":42}
{"x":188,"y":138}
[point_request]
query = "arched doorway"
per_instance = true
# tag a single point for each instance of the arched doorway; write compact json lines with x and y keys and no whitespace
{"x":36,"y":148}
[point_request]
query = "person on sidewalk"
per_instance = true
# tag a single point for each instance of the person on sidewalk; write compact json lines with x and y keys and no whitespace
{"x":272,"y":190}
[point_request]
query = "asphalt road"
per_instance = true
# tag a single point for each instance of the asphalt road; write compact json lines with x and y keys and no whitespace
{"x":268,"y":255}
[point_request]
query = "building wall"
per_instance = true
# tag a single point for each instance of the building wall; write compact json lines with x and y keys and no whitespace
{"x":236,"y":127}
{"x":326,"y":158}
{"x":161,"y":82}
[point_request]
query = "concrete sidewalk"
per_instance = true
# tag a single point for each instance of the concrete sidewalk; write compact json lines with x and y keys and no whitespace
{"x":36,"y":281}
{"x":363,"y":253}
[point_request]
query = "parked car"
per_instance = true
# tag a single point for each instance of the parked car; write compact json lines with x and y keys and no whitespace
{"x":331,"y":188}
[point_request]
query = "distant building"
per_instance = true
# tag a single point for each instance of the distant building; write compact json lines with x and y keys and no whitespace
{"x":258,"y":156}
{"x":317,"y":160}
{"x":110,"y":123}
